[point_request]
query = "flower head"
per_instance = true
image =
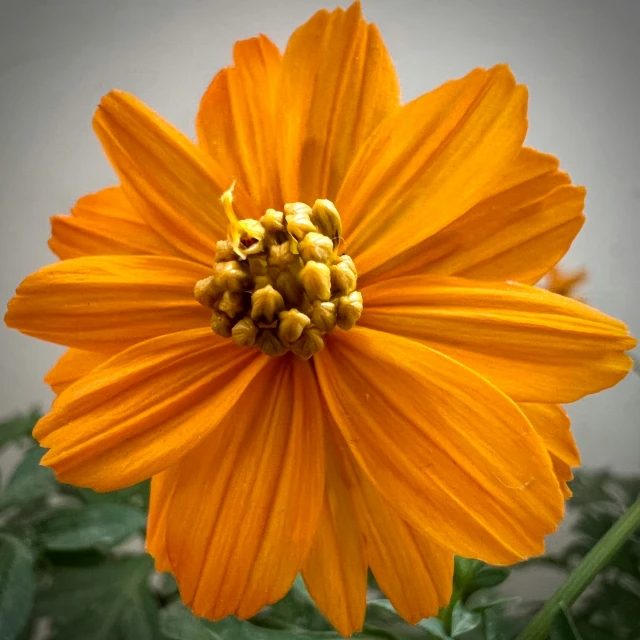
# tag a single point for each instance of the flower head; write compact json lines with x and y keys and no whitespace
{"x":565,"y":282}
{"x":331,"y":365}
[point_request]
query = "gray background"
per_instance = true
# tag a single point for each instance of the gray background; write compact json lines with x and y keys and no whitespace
{"x":580,"y":58}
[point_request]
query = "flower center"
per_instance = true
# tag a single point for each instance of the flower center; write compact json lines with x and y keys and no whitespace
{"x":281,"y":283}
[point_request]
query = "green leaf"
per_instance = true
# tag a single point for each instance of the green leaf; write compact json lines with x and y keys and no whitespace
{"x":178,"y":623}
{"x":111,"y":601}
{"x":297,"y":615}
{"x":463,"y":571}
{"x":509,"y":627}
{"x":295,"y":611}
{"x":17,"y":586}
{"x":29,"y":482}
{"x":563,"y":626}
{"x":382,"y":620}
{"x":93,"y":526}
{"x":164,"y":585}
{"x":619,"y":538}
{"x":87,"y":558}
{"x":18,"y":426}
{"x":491,"y":624}
{"x":612,"y":603}
{"x":135,"y":496}
{"x":473,"y":575}
{"x":482,"y":600}
{"x":29,"y":630}
{"x":487,"y":576}
{"x":435,"y":628}
{"x":373,"y":590}
{"x":463,"y":620}
{"x":598,"y":490}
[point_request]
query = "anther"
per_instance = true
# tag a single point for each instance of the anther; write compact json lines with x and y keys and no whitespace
{"x":273,"y":221}
{"x":221,"y":324}
{"x":288,"y":284}
{"x":258,"y":265}
{"x":260,"y":282}
{"x":316,"y":280}
{"x":308,"y":344}
{"x":291,"y":324}
{"x":323,"y":316}
{"x":249,"y":240}
{"x":269,"y":343}
{"x":266,"y":303}
{"x":231,"y":303}
{"x":298,"y":222}
{"x":280,"y":255}
{"x":227,"y":204}
{"x":315,"y":246}
{"x":205,"y":291}
{"x":305,"y":305}
{"x":246,"y":236}
{"x":293,"y":208}
{"x":224,"y":251}
{"x":345,"y":259}
{"x":343,"y":279}
{"x":230,"y":275}
{"x":349,"y":310}
{"x":280,"y":283}
{"x":326,"y":218}
{"x":244,"y":332}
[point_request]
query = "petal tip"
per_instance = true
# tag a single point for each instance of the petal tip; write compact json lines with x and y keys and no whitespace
{"x":109,"y":104}
{"x":12,"y":314}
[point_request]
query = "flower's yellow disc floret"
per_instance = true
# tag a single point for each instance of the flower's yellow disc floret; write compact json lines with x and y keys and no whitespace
{"x":281,"y":283}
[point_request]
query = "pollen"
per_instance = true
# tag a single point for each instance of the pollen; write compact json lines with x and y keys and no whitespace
{"x":281,"y":283}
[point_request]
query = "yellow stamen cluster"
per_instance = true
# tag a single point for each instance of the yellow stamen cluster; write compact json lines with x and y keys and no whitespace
{"x":280,"y":283}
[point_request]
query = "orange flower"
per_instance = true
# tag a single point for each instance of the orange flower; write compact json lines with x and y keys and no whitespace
{"x":429,"y":428}
{"x":564,"y":282}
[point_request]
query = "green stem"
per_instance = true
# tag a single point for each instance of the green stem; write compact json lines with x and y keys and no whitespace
{"x":582,"y":576}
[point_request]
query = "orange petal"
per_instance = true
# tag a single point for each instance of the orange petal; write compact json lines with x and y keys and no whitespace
{"x":162,"y":486}
{"x":429,"y":163}
{"x":563,"y":473}
{"x":246,"y":503}
{"x":106,"y":303}
{"x":174,"y":184}
{"x":455,"y":456}
{"x":338,"y":84}
{"x":413,"y":572}
{"x":517,"y":233}
{"x":534,"y":345}
{"x":71,"y":366}
{"x":335,"y":571}
{"x":105,"y":223}
{"x":236,"y":121}
{"x":554,"y":427}
{"x":144,"y":409}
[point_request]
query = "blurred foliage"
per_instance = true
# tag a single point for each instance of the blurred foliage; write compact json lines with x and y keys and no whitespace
{"x":610,"y":608}
{"x":72,"y":567}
